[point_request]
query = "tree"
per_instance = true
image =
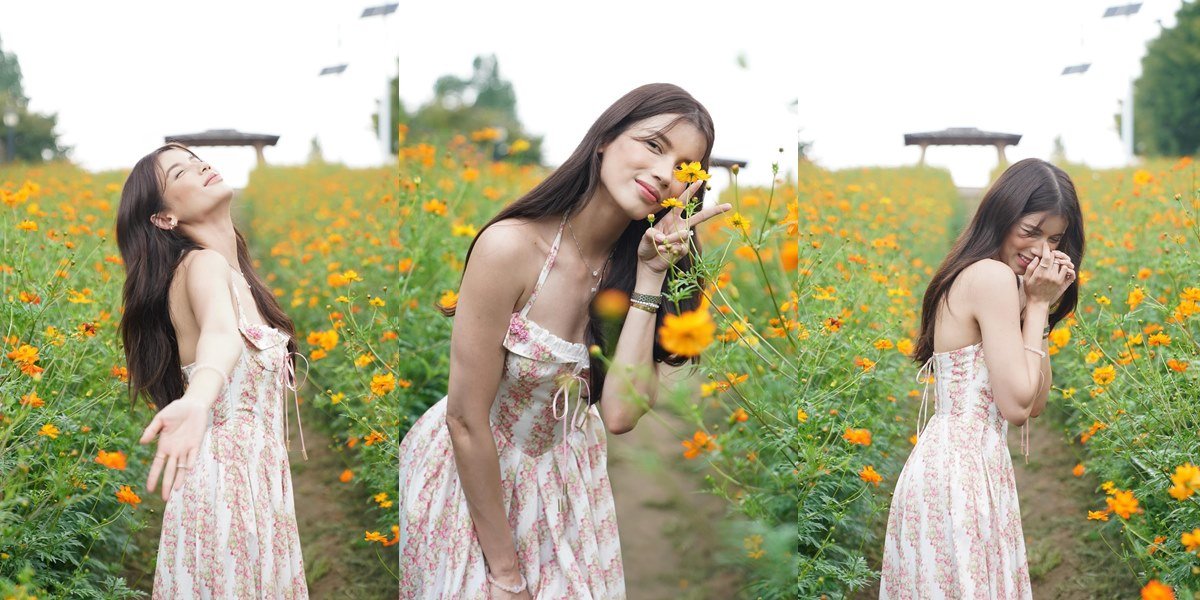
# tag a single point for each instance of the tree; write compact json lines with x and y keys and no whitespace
{"x":484,"y":104}
{"x":34,"y":139}
{"x":1167,"y":95}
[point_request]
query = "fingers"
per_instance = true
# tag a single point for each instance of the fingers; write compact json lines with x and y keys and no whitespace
{"x":152,"y":430}
{"x":169,"y":477}
{"x":705,"y":214}
{"x":690,"y":190}
{"x":156,"y":468}
{"x":185,"y":469}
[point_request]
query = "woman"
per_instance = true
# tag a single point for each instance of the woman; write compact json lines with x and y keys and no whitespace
{"x":195,"y":311}
{"x":954,"y":529}
{"x":499,"y":499}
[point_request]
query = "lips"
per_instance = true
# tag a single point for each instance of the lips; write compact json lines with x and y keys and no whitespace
{"x":648,"y":193}
{"x":1024,"y":261}
{"x":211,"y":178}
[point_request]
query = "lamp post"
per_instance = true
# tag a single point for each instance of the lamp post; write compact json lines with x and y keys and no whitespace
{"x":385,"y":103}
{"x":10,"y":123}
{"x":1126,"y":10}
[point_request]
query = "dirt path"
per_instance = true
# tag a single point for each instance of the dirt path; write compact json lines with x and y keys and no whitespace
{"x":668,"y":525}
{"x":336,"y":560}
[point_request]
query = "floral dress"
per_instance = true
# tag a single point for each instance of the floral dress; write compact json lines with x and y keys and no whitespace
{"x":954,"y":528}
{"x":553,"y":477}
{"x":230,"y":531}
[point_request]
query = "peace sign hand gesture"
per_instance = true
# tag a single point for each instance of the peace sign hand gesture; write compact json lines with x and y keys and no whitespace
{"x":670,"y":238}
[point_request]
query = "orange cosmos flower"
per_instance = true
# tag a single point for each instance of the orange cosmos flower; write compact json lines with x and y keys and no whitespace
{"x":112,"y":460}
{"x":687,"y":334}
{"x":701,"y":442}
{"x":1157,"y":591}
{"x":1123,"y":503}
{"x":861,"y":437}
{"x":869,"y":475}
{"x":126,"y":495}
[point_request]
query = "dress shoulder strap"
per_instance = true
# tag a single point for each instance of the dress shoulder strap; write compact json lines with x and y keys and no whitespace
{"x":237,"y":297}
{"x":549,"y":264}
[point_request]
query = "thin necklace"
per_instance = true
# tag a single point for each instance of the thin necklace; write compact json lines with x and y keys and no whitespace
{"x":595,"y":272}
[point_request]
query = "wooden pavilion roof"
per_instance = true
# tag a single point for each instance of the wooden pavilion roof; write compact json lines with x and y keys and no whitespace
{"x":223,"y":137}
{"x":961,"y":136}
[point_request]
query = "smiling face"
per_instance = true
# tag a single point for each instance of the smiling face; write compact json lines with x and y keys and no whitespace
{"x":1025,"y":239}
{"x":191,"y":188}
{"x":637,"y":168}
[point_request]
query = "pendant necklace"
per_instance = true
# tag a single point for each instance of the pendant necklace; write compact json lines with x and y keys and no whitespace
{"x":595,"y":272}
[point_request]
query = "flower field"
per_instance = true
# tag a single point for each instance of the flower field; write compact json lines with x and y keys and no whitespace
{"x":1125,"y":365}
{"x":72,"y":495}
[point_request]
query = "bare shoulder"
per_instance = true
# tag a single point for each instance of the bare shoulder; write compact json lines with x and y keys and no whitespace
{"x":988,"y":279}
{"x":203,"y":264}
{"x":506,"y":243}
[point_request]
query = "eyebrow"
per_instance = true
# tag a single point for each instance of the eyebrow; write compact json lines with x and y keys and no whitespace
{"x":1038,"y":228}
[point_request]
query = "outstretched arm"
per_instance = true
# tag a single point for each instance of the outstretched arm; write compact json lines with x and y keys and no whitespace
{"x":181,"y":425}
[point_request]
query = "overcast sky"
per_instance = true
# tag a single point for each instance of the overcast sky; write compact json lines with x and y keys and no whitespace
{"x":568,"y":63}
{"x":864,"y":73}
{"x":121,"y":75}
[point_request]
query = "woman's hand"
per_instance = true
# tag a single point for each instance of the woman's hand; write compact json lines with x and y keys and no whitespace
{"x":670,"y":238}
{"x":1048,"y":276}
{"x":179,"y":428}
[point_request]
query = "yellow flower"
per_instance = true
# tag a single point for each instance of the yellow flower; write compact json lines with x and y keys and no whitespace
{"x":463,"y":230}
{"x":671,"y":203}
{"x":382,"y":384}
{"x":1104,"y":375}
{"x":1103,"y":300}
{"x":27,"y":225}
{"x":1136,"y":296}
{"x":1097,"y":515}
{"x":377,"y":302}
{"x":687,"y":334}
{"x":1092,"y":357}
{"x":738,"y":221}
{"x":904,"y":346}
{"x":363,"y":360}
{"x":1156,"y":590}
{"x":700,"y":442}
{"x":1159,"y":339}
{"x":24,"y":355}
{"x":375,"y":536}
{"x":883,"y":345}
{"x":1191,"y":540}
{"x":448,"y":300}
{"x":690,"y":172}
{"x":49,"y":430}
{"x":434,"y":207}
{"x":519,"y":146}
{"x":801,"y":415}
{"x":1060,"y":336}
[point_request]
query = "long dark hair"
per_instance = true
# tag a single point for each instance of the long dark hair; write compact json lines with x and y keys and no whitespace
{"x":151,"y":256}
{"x":574,"y":182}
{"x":1029,"y":186}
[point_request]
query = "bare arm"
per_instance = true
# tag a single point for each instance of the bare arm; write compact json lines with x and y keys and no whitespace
{"x":1013,"y":370}
{"x":487,"y":295}
{"x":181,"y":425}
{"x":633,"y":374}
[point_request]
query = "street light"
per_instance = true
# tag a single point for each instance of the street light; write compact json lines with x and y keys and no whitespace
{"x":10,"y":122}
{"x":1126,"y":10}
{"x":385,"y":104}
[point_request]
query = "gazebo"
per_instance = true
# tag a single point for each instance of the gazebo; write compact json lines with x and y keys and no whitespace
{"x":962,"y":136}
{"x":227,"y":137}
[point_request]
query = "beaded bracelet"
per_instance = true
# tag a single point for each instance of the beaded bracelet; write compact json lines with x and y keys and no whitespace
{"x":224,"y":377}
{"x":1041,"y":353}
{"x":650,"y":308}
{"x":512,"y":589}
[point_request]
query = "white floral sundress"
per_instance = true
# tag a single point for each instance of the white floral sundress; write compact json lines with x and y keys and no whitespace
{"x":566,"y":539}
{"x":230,"y":531}
{"x":954,"y":528}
